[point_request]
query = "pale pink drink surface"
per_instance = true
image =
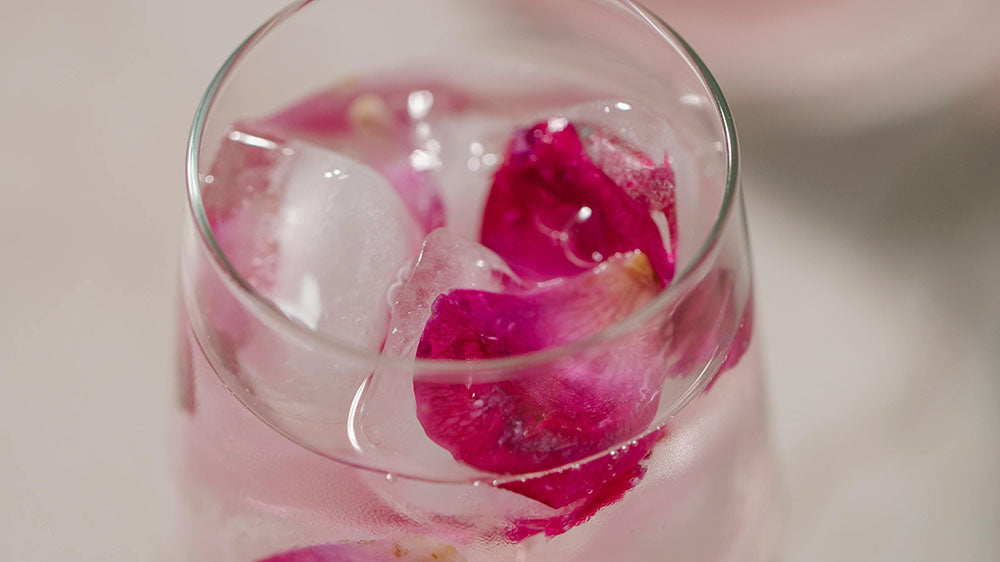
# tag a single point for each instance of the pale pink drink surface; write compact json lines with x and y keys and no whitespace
{"x":454,"y":220}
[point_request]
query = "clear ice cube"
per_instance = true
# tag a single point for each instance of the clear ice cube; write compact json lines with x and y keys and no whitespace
{"x":469,"y":148}
{"x":388,"y":418}
{"x":323,"y":237}
{"x":342,"y":236}
{"x":447,"y":261}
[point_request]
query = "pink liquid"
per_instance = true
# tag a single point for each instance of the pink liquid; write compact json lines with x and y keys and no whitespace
{"x":249,"y":492}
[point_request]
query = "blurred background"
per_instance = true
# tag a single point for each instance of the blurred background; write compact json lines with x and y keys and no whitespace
{"x":871,"y":135}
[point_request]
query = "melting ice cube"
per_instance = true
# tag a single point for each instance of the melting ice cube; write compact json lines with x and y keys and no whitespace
{"x":388,"y":411}
{"x":469,"y":147}
{"x":323,"y":237}
{"x":342,"y":236}
{"x":447,"y":261}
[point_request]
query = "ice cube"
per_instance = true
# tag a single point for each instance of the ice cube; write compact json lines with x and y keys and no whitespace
{"x":320,"y":234}
{"x":469,"y":148}
{"x":342,"y":235}
{"x":323,"y":237}
{"x":447,"y":261}
{"x":388,"y":417}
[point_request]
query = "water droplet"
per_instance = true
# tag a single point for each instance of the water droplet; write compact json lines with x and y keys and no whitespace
{"x":389,"y":478}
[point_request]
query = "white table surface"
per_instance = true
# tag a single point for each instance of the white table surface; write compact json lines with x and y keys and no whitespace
{"x":877,"y":256}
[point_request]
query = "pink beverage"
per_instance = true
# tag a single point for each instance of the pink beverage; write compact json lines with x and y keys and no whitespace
{"x":442,"y":311}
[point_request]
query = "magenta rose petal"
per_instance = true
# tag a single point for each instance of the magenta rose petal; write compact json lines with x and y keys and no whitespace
{"x":601,"y":483}
{"x":406,"y":549}
{"x":557,"y":413}
{"x":552,"y":212}
{"x":742,"y":340}
{"x":701,"y":326}
{"x":648,"y":181}
{"x":446,"y":262}
{"x":740,"y":343}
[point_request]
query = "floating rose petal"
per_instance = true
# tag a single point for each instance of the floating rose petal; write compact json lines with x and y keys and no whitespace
{"x":552,"y":212}
{"x":551,"y":415}
{"x":407,"y":549}
{"x":648,"y":182}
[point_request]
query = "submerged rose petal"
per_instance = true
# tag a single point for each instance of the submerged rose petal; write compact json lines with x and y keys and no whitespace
{"x":601,"y":483}
{"x":369,"y":104}
{"x":550,"y":415}
{"x":740,"y":343}
{"x":552,"y":212}
{"x":383,"y":123}
{"x":406,"y":549}
{"x":447,"y":261}
{"x":702,"y":326}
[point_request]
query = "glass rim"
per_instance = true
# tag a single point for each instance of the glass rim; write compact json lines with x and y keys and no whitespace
{"x":265,"y":307}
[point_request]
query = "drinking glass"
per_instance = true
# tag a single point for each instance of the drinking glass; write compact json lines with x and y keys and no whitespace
{"x":309,"y":427}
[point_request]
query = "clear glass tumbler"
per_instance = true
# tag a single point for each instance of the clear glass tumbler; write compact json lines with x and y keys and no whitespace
{"x":468,"y":281}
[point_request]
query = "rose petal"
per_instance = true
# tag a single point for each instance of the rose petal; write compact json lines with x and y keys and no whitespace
{"x":601,"y":482}
{"x":550,"y":415}
{"x":376,"y":122}
{"x":390,"y":102}
{"x":702,"y":326}
{"x":447,"y":261}
{"x":740,"y":343}
{"x":552,"y":212}
{"x":414,"y":549}
{"x":648,"y":182}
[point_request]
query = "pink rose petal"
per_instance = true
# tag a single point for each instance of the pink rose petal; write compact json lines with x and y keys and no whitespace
{"x":407,"y":549}
{"x":552,"y":212}
{"x":740,"y":343}
{"x":601,"y":483}
{"x":648,"y":182}
{"x":701,"y":326}
{"x":551,"y":415}
{"x":375,"y":121}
